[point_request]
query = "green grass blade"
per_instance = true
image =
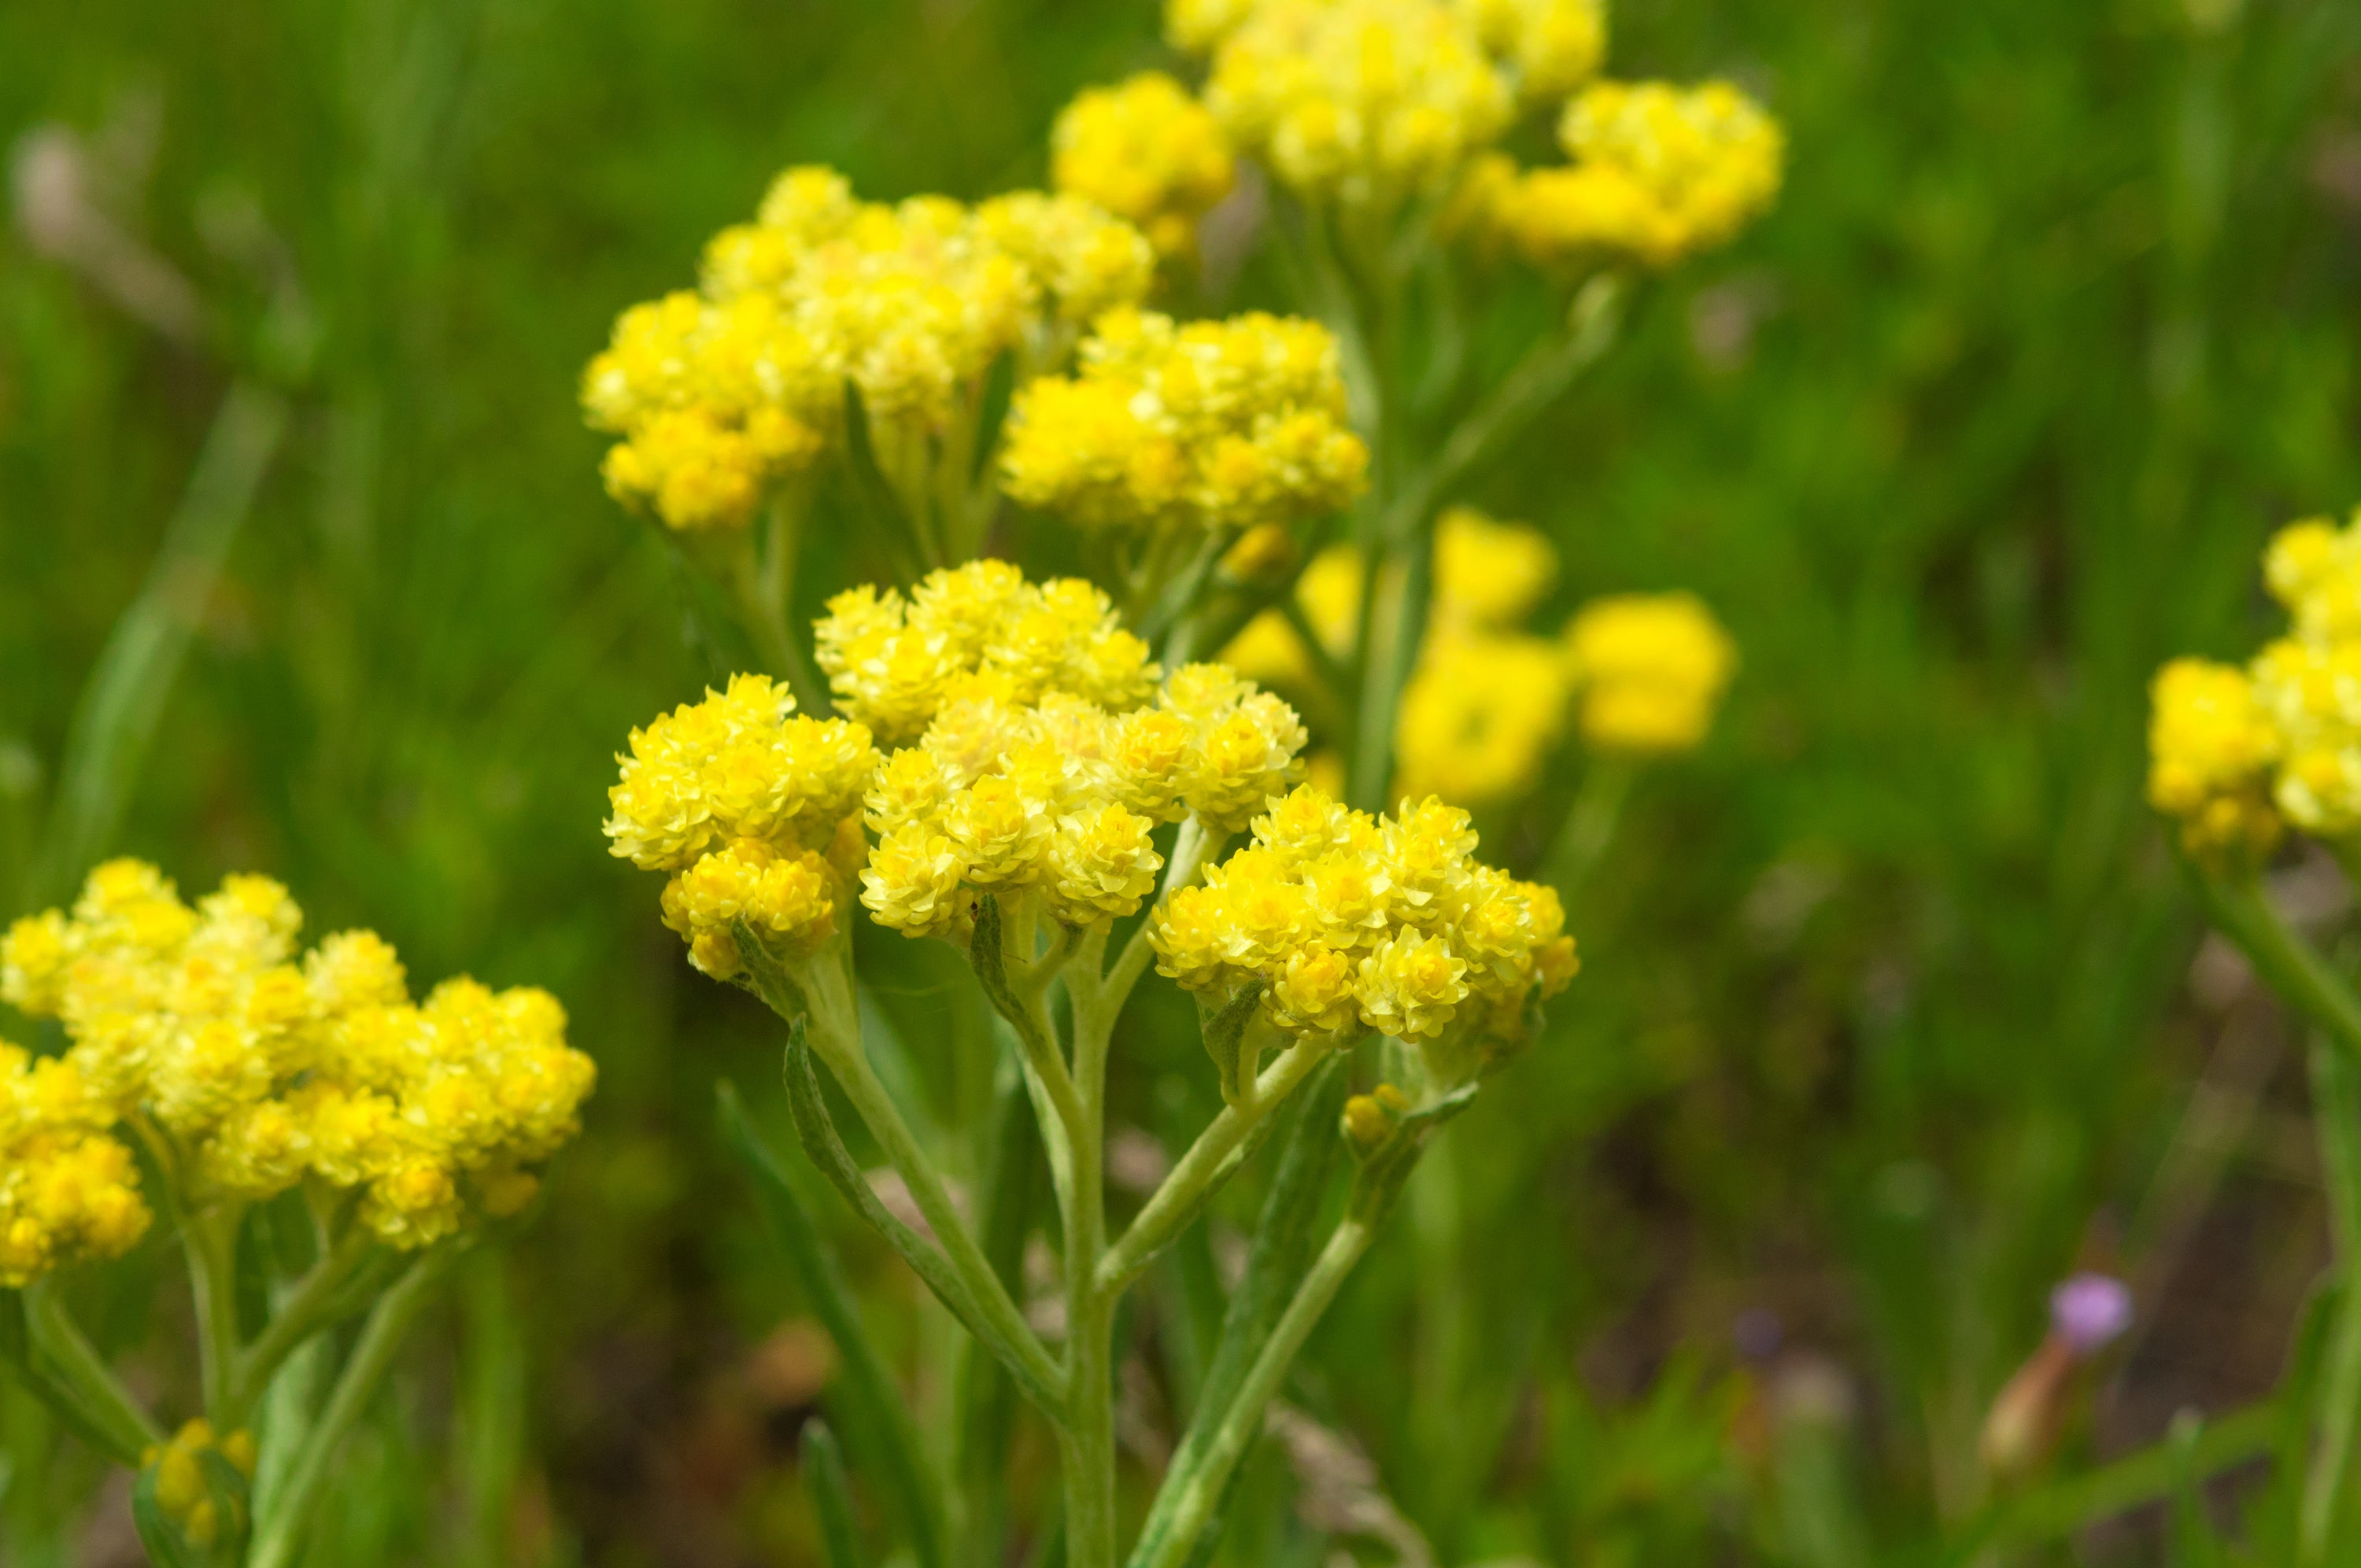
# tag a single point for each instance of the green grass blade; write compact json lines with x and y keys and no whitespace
{"x":832,"y":1493}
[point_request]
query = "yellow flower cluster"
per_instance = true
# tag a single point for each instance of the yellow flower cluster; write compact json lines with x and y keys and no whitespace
{"x":975,"y":631}
{"x":1146,"y":151}
{"x":740,"y":797}
{"x":2210,"y":748}
{"x":1220,"y":423}
{"x":1384,"y":922}
{"x":182,"y":1492}
{"x":720,"y":394}
{"x":256,"y":1072}
{"x":1046,"y":750}
{"x":1488,"y":701}
{"x":1360,"y":102}
{"x":1651,"y":669}
{"x":1660,"y":172}
{"x":69,"y":1190}
{"x":2227,"y":746}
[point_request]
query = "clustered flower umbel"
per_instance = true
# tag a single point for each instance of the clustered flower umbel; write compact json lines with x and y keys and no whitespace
{"x":1208,"y":424}
{"x":2235,"y":753}
{"x":720,"y":394}
{"x":256,"y":1072}
{"x":1660,"y":172}
{"x":1346,"y":919}
{"x":1367,"y":101}
{"x":1146,"y":151}
{"x":1643,"y":674}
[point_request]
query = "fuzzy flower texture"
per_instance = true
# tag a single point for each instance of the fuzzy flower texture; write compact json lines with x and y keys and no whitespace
{"x":252,"y":1072}
{"x":1166,"y":427}
{"x":1146,"y":151}
{"x":1369,"y":101}
{"x":1639,"y":675}
{"x":1038,"y":750}
{"x":721,"y":394}
{"x":2235,"y":753}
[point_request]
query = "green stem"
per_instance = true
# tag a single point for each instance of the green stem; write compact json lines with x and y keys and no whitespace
{"x":311,"y":1307}
{"x":1194,"y":1510}
{"x":85,"y":1373}
{"x":276,"y":1537}
{"x":1089,"y":1453}
{"x":763,"y":573}
{"x":1184,"y":1188}
{"x":209,"y":1239}
{"x":2288,"y":963}
{"x":850,"y":1063}
{"x":2336,"y":1115}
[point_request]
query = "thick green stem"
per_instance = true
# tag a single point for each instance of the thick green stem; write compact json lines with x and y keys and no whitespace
{"x":836,"y":1039}
{"x":1206,"y":1485}
{"x":278,"y":1537}
{"x":210,"y":1238}
{"x":76,"y":1362}
{"x":2336,"y":1115}
{"x":1184,"y":1188}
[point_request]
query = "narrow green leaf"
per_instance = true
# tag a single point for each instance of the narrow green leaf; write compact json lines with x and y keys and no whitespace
{"x":1281,"y":1254}
{"x":987,"y":954}
{"x":984,"y":1396}
{"x":864,"y":1397}
{"x":818,"y":1131}
{"x":832,"y":1494}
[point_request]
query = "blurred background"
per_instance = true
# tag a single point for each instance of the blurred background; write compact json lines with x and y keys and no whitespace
{"x":1894,"y":1013}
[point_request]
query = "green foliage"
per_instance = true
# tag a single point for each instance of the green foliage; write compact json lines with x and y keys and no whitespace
{"x":1882,"y":1025}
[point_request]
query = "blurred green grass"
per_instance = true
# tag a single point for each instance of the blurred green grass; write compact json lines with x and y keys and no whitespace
{"x":1883,"y":1026}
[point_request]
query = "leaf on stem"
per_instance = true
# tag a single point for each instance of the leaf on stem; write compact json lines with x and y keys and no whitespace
{"x":871,"y":1404}
{"x":822,"y":1142}
{"x":1276,"y":1264}
{"x":1385,"y":1168}
{"x":766,"y":977}
{"x":1224,"y":1031}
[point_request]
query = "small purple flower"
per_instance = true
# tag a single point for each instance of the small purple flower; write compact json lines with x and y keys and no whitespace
{"x":2088,"y":1311}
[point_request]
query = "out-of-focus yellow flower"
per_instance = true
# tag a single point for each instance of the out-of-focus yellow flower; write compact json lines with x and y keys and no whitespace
{"x":1489,"y":575}
{"x":262,"y":1073}
{"x":1230,"y":423}
{"x":1480,"y":716}
{"x":2212,"y":745}
{"x":1650,"y":669}
{"x":1551,"y":47}
{"x":2314,"y":569}
{"x":1146,"y":151}
{"x":1360,"y":102}
{"x":1384,"y":921}
{"x":721,"y":395}
{"x":1660,"y":172}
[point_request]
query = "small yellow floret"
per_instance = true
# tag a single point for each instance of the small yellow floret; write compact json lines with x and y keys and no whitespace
{"x":1146,"y":151}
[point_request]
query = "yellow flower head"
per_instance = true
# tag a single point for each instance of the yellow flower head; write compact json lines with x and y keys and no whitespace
{"x":2212,"y":745}
{"x":1660,"y":172}
{"x":1480,"y":716}
{"x":1386,"y":921}
{"x":1230,"y":423}
{"x":743,"y":765}
{"x":1550,"y":47}
{"x":975,"y":631}
{"x":719,"y":396}
{"x":260,"y":1072}
{"x":2313,"y":568}
{"x":1360,"y":102}
{"x":1651,"y":669}
{"x":2302,"y":711}
{"x":789,"y":900}
{"x":1146,"y":151}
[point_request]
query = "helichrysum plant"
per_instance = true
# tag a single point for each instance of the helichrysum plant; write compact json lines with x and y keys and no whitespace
{"x":1034,"y":752}
{"x":302,"y":1115}
{"x":1229,"y":719}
